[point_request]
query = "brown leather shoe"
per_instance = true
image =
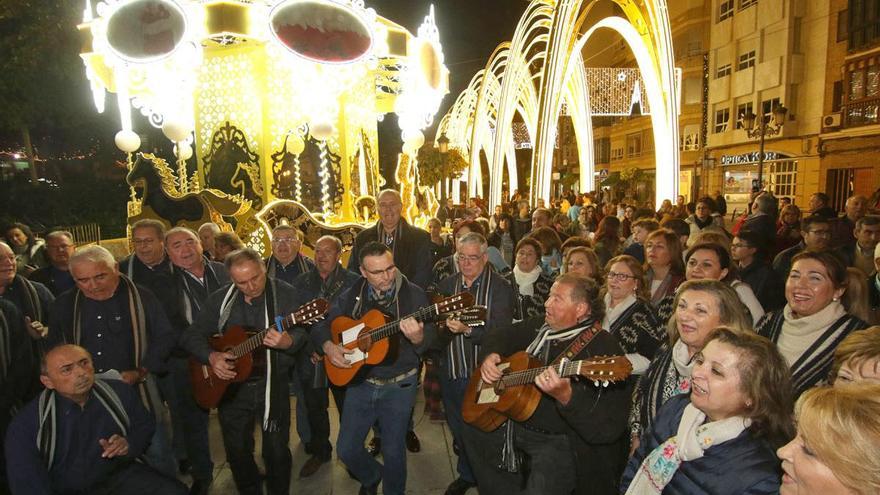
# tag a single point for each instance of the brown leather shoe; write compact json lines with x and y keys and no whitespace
{"x":412,"y":442}
{"x":312,"y":465}
{"x":374,"y":448}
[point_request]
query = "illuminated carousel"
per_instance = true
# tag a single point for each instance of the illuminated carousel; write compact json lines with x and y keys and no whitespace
{"x":272,"y":108}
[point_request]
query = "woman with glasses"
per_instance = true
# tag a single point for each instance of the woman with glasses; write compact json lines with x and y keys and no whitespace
{"x":700,"y":307}
{"x":628,"y":314}
{"x":815,"y":318}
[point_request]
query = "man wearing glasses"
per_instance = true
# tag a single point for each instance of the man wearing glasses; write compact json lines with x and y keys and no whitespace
{"x":286,"y":262}
{"x":384,"y":393}
{"x":461,"y":343}
{"x":816,"y":232}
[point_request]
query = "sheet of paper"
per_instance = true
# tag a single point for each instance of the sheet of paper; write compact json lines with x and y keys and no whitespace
{"x":487,"y":393}
{"x":349,"y":336}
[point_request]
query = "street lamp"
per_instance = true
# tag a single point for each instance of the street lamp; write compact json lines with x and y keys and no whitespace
{"x":761,"y":129}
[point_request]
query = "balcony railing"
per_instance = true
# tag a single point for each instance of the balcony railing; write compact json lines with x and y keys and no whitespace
{"x":864,"y":112}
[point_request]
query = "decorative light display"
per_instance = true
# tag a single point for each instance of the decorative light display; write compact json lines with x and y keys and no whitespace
{"x":276,"y":99}
{"x":541,"y":68}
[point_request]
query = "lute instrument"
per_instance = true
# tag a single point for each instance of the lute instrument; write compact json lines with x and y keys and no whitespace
{"x":208,"y":388}
{"x":515,"y":396}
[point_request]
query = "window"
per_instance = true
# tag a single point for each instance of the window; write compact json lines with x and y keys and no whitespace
{"x":689,"y":138}
{"x":602,"y":150}
{"x":746,"y":60}
{"x":842,"y":25}
{"x":722,"y":71}
{"x":767,"y":107}
{"x":634,"y":145}
{"x":725,"y":10}
{"x":782,"y":178}
{"x":864,"y":23}
{"x":744,"y":4}
{"x":722,"y":117}
{"x":648,"y":142}
{"x":616,"y":154}
{"x":742,"y":110}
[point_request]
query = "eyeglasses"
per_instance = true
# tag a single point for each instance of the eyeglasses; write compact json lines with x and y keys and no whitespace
{"x":285,"y":240}
{"x":620,"y":277}
{"x":469,"y":259}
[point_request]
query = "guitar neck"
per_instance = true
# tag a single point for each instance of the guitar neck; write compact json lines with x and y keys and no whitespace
{"x":256,"y":340}
{"x":569,"y":368}
{"x":389,"y":329}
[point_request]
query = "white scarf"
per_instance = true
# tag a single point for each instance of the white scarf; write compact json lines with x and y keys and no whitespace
{"x":526,"y":280}
{"x":681,"y":359}
{"x":612,"y":314}
{"x":798,"y":333}
{"x":693,"y":438}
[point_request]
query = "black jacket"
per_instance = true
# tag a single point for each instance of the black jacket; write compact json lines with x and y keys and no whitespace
{"x":767,"y":285}
{"x":412,"y":252}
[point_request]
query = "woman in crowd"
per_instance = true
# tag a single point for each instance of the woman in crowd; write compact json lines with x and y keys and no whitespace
{"x":815,"y":318}
{"x":439,"y":248}
{"x":30,"y":252}
{"x":857,"y":358}
{"x":705,"y":218}
{"x":607,"y":243}
{"x":628,"y":314}
{"x":837,"y":448}
{"x":573,"y":242}
{"x":583,"y":261}
{"x":551,"y":256}
{"x":720,"y":438}
{"x":666,"y":210}
{"x":700,"y":306}
{"x":529,"y":282}
{"x":502,"y":238}
{"x":788,"y":228}
{"x":712,"y":261}
{"x":664,"y":267}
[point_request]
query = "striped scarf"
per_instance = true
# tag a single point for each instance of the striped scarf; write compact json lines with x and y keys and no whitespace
{"x":33,"y":308}
{"x":147,"y":389}
{"x":188,"y":302}
{"x":389,"y":240}
{"x":461,"y":354}
{"x":274,"y":375}
{"x":47,"y":433}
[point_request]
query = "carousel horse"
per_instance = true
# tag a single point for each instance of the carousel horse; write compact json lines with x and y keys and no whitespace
{"x":161,"y":199}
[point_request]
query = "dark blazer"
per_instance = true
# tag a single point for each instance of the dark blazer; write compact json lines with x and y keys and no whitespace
{"x":742,"y":465}
{"x":412,"y":252}
{"x":767,"y":285}
{"x":874,"y":300}
{"x":47,"y":277}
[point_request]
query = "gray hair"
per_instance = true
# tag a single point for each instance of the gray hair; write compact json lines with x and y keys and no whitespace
{"x":210,"y":225}
{"x":393,"y":192}
{"x":285,"y":227}
{"x":332,"y":238}
{"x":149,"y":223}
{"x":242,"y":256}
{"x":182,"y":230}
{"x":767,"y":203}
{"x":59,"y":233}
{"x":93,"y":254}
{"x":474,"y":238}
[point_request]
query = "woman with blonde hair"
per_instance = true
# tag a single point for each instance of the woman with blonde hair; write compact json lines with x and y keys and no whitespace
{"x":629,"y":315}
{"x":583,"y":261}
{"x":700,"y":306}
{"x":857,"y":358}
{"x":837,"y":448}
{"x":815,"y":319}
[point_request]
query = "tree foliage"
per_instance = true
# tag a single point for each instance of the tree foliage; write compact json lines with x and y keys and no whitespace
{"x":434,"y":166}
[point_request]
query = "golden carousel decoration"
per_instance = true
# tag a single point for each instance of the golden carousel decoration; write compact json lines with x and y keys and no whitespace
{"x":271,"y":105}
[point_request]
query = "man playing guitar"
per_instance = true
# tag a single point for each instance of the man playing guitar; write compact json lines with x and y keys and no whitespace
{"x":252,"y":301}
{"x":385,"y":392}
{"x":575,"y":441}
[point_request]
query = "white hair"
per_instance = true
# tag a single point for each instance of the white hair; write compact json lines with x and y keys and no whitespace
{"x":93,"y":254}
{"x":210,"y":225}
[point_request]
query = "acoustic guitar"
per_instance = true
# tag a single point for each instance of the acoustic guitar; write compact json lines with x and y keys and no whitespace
{"x":208,"y":388}
{"x":473,"y":316}
{"x":515,"y":396}
{"x":368,"y":336}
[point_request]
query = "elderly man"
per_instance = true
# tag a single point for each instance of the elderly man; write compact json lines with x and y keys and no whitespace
{"x":762,"y":221}
{"x":124,"y":327}
{"x":148,"y":265}
{"x":386,"y":392}
{"x":327,"y":281}
{"x":820,"y":205}
{"x":576,"y":439}
{"x":461,"y":343}
{"x":410,"y":245}
{"x":861,"y":253}
{"x":841,"y":230}
{"x":252,"y":301}
{"x":541,"y":217}
{"x":207,"y":231}
{"x":56,"y":277}
{"x":82,"y":435}
{"x":193,"y":279}
{"x":31,"y":298}
{"x":286,"y":262}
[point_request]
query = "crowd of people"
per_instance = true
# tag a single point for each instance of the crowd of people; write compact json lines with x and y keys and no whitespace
{"x":755,"y":365}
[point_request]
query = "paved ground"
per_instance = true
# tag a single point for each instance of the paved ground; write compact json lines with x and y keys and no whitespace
{"x":428,"y":473}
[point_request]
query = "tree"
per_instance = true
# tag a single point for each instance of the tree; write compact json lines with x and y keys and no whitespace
{"x":43,"y":83}
{"x":435,"y":166}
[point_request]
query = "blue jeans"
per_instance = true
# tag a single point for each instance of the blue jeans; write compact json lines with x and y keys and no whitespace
{"x":391,"y":405}
{"x":453,"y":396}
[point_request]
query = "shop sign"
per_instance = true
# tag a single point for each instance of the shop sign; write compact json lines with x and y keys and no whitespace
{"x":748,"y":158}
